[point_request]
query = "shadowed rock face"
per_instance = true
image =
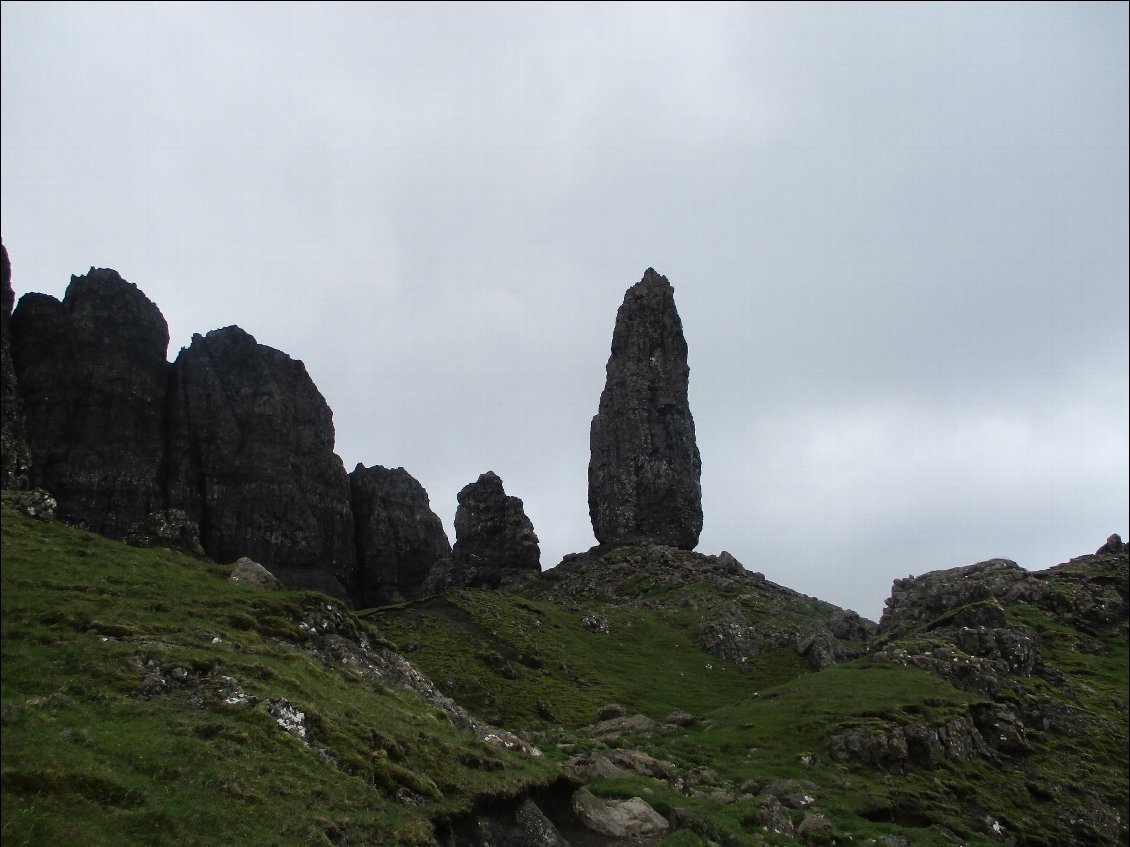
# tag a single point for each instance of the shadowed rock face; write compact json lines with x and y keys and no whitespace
{"x":92,"y":374}
{"x":492,"y":532}
{"x":644,"y":466}
{"x":250,"y":459}
{"x":399,"y":538}
{"x":15,"y":461}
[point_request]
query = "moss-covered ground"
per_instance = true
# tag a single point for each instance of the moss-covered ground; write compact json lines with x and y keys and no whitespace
{"x":89,"y":757}
{"x":88,"y":760}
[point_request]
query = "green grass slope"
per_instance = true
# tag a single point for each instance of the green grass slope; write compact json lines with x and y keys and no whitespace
{"x":624,"y":629}
{"x":143,"y":694}
{"x":137,"y":692}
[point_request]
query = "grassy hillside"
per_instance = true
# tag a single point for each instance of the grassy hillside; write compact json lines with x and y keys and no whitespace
{"x":626,"y":629}
{"x":145,"y":698}
{"x":136,"y":693}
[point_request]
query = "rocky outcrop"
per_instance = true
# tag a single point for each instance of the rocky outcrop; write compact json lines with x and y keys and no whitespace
{"x":889,"y":746}
{"x":986,"y":628}
{"x":250,"y":459}
{"x":1089,"y":590}
{"x":34,"y":502}
{"x":733,"y":603}
{"x":172,"y":529}
{"x":400,"y":540}
{"x":92,"y":374}
{"x":15,"y":460}
{"x":494,"y":540}
{"x":644,"y":466}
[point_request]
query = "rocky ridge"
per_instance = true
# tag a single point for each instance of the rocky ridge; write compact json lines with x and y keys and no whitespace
{"x":229,"y":449}
{"x":743,"y":613}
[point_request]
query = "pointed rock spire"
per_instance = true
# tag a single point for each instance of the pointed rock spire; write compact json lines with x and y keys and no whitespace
{"x":644,"y":465}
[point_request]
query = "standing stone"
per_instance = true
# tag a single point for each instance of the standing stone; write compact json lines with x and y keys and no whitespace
{"x":250,"y":459}
{"x":399,"y":538}
{"x":492,"y":532}
{"x":15,"y":460}
{"x":644,"y":467}
{"x":92,"y":374}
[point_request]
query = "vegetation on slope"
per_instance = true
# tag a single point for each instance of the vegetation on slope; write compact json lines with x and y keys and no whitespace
{"x":142,"y":699}
{"x":143,"y":693}
{"x":550,"y":657}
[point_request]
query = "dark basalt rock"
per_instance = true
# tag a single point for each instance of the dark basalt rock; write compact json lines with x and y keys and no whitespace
{"x":15,"y":460}
{"x":492,"y":533}
{"x":250,"y":459}
{"x":172,"y":529}
{"x":92,"y":374}
{"x":644,"y":467}
{"x":399,"y":538}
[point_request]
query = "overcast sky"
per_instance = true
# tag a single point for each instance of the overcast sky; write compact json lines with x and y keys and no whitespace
{"x":897,"y":235}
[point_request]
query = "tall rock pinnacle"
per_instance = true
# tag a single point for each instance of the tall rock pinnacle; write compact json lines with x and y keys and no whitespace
{"x":250,"y":459}
{"x":644,"y":464}
{"x":92,"y":376}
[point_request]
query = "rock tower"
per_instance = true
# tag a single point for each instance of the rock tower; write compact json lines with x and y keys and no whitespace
{"x":92,"y":376}
{"x":644,"y":465}
{"x":251,"y":460}
{"x":492,"y":532}
{"x":400,"y":540}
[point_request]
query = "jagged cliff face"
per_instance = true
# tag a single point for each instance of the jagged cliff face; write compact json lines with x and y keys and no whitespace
{"x":644,"y":468}
{"x":250,"y":458}
{"x":92,"y":374}
{"x":400,"y":540}
{"x":15,"y":461}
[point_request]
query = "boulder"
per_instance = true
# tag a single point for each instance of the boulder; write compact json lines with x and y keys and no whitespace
{"x":775,"y":817}
{"x":618,"y":818}
{"x":643,"y":763}
{"x":594,"y":765}
{"x":92,"y":375}
{"x":251,"y":461}
{"x":680,"y":718}
{"x":612,"y":710}
{"x":613,"y":728}
{"x":254,"y":575}
{"x":644,"y":466}
{"x":523,"y":826}
{"x":814,"y":829}
{"x":400,"y":539}
{"x":822,"y":649}
{"x":492,"y":533}
{"x":15,"y":460}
